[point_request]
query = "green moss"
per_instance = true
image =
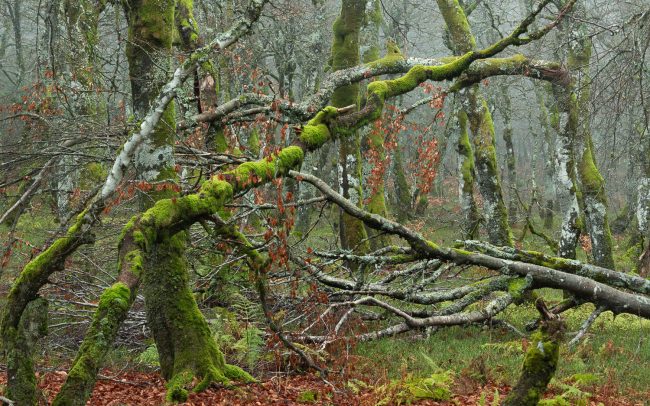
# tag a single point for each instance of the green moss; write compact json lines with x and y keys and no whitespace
{"x":517,"y":288}
{"x":408,"y":82}
{"x":379,"y":88}
{"x":316,"y":132}
{"x":308,"y":396}
{"x":457,"y":25}
{"x":540,"y":363}
{"x":393,"y":55}
{"x":184,"y":341}
{"x":134,"y":258}
{"x":433,"y":245}
{"x":116,"y":298}
{"x":112,"y":309}
{"x":215,"y":187}
{"x":253,"y":173}
{"x":590,"y":176}
{"x":154,"y":22}
{"x":188,"y":29}
{"x":218,"y":137}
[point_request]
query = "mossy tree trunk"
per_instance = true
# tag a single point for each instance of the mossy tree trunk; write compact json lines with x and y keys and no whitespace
{"x":21,"y":387}
{"x":482,"y":128}
{"x":402,"y":197}
{"x":185,"y":344}
{"x":494,"y":208}
{"x":550,"y":186}
{"x":511,"y":160}
{"x":471,"y":217}
{"x":591,"y":181}
{"x":345,"y":54}
{"x":564,"y":120}
{"x":643,"y":201}
{"x":184,"y":341}
{"x":376,"y":202}
{"x":540,"y":363}
{"x":149,"y":50}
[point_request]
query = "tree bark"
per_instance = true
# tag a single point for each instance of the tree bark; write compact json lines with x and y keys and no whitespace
{"x":591,"y":181}
{"x":540,"y":362}
{"x":345,"y":54}
{"x":482,"y":128}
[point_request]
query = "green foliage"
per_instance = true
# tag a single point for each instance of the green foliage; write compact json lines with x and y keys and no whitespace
{"x":434,"y":387}
{"x":497,"y":398}
{"x":308,"y":396}
{"x":437,"y":387}
{"x":507,"y":347}
{"x":250,"y":346}
{"x":556,"y":401}
{"x":149,"y":357}
{"x":236,"y":332}
{"x":412,"y":388}
{"x":356,"y":385}
{"x":458,"y":349}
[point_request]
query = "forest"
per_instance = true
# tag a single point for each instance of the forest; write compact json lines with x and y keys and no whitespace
{"x":333,"y":202}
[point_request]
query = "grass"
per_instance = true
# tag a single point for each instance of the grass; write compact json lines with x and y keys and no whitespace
{"x":614,"y":350}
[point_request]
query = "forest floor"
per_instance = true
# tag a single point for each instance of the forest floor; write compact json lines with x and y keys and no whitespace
{"x":140,"y":388}
{"x":474,"y":364}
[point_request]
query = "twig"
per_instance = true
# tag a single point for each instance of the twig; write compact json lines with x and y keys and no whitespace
{"x":585,"y":325}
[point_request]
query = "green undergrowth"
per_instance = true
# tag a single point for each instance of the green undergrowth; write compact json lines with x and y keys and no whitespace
{"x":612,"y":354}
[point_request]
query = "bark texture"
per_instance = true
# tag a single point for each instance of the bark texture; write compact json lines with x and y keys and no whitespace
{"x":592,"y":184}
{"x":540,"y":364}
{"x":482,"y":128}
{"x":345,"y":54}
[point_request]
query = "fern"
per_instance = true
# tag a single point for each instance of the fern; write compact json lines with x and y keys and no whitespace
{"x":249,"y":347}
{"x":149,"y":357}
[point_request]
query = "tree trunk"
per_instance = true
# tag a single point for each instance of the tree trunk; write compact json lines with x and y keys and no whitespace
{"x":565,"y":122}
{"x":506,"y":113}
{"x":345,"y":54}
{"x":471,"y":217}
{"x":550,"y":186}
{"x":375,"y":139}
{"x":540,"y":363}
{"x":402,"y":196}
{"x":185,"y":344}
{"x":482,"y":128}
{"x":592,"y":183}
{"x":21,"y":387}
